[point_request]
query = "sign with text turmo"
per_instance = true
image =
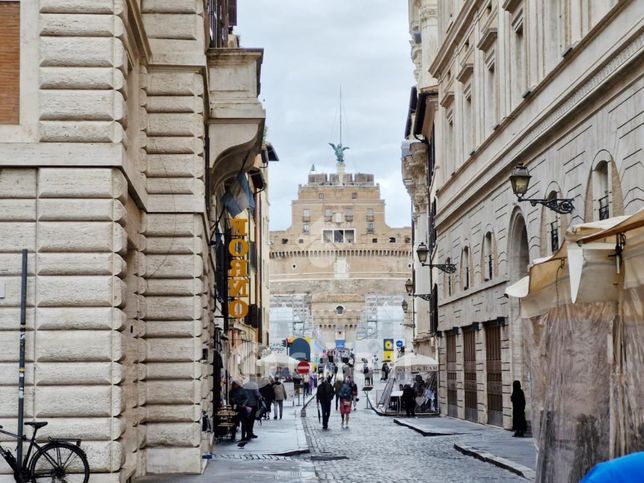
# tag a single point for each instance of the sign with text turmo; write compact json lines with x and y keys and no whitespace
{"x":238,"y":277}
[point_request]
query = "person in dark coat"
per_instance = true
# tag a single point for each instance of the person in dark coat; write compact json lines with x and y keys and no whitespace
{"x":268,"y":393}
{"x":324,"y":396}
{"x":409,"y":401}
{"x":519,"y":424}
{"x":237,"y":399}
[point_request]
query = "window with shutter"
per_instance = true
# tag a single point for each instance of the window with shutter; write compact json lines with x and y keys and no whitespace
{"x":10,"y":62}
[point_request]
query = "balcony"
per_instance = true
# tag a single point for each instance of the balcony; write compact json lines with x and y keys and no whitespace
{"x":236,"y":116}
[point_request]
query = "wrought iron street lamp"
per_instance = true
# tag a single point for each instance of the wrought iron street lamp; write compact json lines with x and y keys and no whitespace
{"x":409,"y":287}
{"x":520,"y":180}
{"x":422,"y":252}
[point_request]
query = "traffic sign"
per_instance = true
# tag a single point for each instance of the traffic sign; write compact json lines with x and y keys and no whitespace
{"x":303,"y":367}
{"x":399,"y":343}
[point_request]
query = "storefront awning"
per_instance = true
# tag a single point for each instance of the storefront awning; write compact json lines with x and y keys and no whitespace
{"x":586,"y":268}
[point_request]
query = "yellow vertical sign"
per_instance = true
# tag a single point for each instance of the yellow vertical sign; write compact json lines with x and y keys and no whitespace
{"x":238,"y":278}
{"x":388,"y":350}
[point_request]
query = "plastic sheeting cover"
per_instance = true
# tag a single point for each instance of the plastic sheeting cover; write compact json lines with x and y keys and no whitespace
{"x":586,"y":390}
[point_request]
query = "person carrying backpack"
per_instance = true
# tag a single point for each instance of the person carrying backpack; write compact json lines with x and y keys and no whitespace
{"x":280,"y":396}
{"x":345,"y":402}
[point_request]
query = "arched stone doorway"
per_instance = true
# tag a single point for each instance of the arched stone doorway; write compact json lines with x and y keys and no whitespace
{"x":519,"y":259}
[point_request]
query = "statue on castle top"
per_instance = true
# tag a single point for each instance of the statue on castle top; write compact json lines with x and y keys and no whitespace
{"x":339,"y":151}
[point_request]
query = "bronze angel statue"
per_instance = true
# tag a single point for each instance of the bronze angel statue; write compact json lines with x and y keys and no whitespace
{"x":339,"y":151}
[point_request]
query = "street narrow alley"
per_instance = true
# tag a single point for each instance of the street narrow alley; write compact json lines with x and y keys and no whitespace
{"x":375,"y":449}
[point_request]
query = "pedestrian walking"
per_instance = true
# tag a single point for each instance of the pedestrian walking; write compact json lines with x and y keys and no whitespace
{"x":519,"y":424}
{"x":345,"y":402}
{"x":336,"y":389}
{"x":354,"y":394}
{"x":324,"y":397}
{"x":237,"y":399}
{"x":279,"y":392}
{"x":409,"y":401}
{"x":385,"y":372}
{"x":251,"y":390}
{"x":266,"y":391}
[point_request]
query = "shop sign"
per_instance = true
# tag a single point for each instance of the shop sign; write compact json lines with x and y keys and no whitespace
{"x":238,"y":278}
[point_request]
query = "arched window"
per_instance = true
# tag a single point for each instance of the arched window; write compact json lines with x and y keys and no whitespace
{"x":487,"y":257}
{"x":448,"y":279}
{"x":519,"y":249}
{"x":553,"y":226}
{"x":465,"y":268}
{"x":600,"y":190}
{"x":604,"y":197}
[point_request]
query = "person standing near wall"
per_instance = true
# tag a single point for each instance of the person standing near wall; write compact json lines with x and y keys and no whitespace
{"x":519,"y":423}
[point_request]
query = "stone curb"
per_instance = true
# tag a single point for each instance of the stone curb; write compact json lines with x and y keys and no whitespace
{"x":407,"y":424}
{"x":504,"y":463}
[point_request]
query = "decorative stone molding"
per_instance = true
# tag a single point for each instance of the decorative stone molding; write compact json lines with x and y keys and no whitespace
{"x":236,"y":115}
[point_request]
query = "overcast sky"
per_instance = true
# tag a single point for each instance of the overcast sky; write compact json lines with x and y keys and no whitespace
{"x":311,"y":47}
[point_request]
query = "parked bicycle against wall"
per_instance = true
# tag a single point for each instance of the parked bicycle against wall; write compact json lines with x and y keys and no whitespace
{"x":58,"y":460}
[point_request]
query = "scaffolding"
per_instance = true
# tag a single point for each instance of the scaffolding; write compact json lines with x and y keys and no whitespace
{"x":290,"y":316}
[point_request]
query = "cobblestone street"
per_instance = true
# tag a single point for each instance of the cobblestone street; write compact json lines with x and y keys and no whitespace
{"x":374,"y":449}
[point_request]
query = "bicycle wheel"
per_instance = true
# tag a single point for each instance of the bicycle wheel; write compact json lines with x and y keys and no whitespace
{"x":59,"y":461}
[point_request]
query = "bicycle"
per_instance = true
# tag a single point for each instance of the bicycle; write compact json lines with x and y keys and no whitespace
{"x":58,"y":460}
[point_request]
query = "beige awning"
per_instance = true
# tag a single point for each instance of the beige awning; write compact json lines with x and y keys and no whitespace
{"x":585,"y":269}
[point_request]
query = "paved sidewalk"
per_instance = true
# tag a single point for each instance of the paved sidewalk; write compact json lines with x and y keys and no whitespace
{"x":270,"y":457}
{"x":487,"y":443}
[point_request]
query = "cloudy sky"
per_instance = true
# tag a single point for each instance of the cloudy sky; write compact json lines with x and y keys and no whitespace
{"x":311,"y":48}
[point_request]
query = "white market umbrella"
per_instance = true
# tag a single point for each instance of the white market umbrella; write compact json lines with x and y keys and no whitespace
{"x":278,"y":360}
{"x":416,"y":363}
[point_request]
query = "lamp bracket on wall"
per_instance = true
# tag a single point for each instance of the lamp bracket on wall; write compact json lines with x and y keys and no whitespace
{"x":562,"y":206}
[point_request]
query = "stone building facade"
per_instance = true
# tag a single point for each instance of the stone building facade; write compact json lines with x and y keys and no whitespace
{"x":133,"y":116}
{"x":417,"y":165}
{"x":556,"y":86}
{"x":339,"y":267}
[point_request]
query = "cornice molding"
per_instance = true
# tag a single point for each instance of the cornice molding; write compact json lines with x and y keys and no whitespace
{"x":453,"y":37}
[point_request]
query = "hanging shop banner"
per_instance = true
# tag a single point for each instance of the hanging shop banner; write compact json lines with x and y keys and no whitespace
{"x":238,"y":196}
{"x":238,"y":278}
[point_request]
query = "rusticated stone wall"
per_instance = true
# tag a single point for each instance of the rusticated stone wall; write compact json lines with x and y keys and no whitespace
{"x":112,"y":211}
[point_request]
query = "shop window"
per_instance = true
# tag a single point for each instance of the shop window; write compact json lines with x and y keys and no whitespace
{"x":10,"y":63}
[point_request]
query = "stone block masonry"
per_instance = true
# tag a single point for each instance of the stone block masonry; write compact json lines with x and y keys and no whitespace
{"x":76,"y":295}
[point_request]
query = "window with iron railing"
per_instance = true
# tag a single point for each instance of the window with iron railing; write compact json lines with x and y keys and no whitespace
{"x":604,"y":212}
{"x":554,"y":236}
